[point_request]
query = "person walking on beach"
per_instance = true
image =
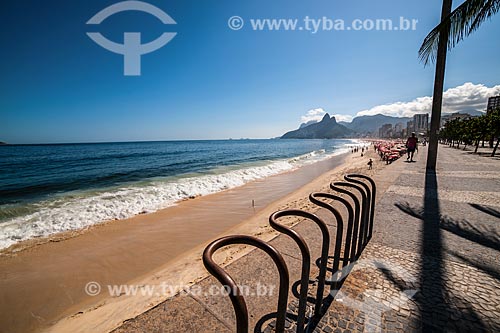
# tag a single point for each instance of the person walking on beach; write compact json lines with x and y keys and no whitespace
{"x":411,"y":145}
{"x":370,"y":164}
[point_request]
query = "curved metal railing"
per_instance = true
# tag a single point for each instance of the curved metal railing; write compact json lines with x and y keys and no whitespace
{"x":366,"y":207}
{"x":356,"y":246}
{"x":306,"y":259}
{"x":239,"y":305}
{"x":314,"y":198}
{"x":373,"y":198}
{"x":358,"y":234}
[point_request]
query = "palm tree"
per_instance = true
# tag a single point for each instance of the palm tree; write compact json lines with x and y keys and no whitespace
{"x":454,"y":27}
{"x":472,"y":130}
{"x":494,"y":125}
{"x":437,"y":99}
{"x":460,"y":23}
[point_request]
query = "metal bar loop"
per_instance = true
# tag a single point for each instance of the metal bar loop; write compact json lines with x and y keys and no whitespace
{"x":306,"y":259}
{"x":239,"y":305}
{"x":314,"y":198}
{"x":363,"y":216}
{"x":366,"y":209}
{"x":374,"y":195}
{"x":356,"y":240}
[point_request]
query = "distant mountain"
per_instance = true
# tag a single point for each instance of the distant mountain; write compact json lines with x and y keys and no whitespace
{"x":473,"y":113}
{"x":371,"y":124}
{"x":310,"y":122}
{"x":327,"y":128}
{"x":363,"y":125}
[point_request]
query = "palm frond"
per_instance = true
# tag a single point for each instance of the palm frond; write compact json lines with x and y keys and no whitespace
{"x":491,"y":8}
{"x":459,"y":24}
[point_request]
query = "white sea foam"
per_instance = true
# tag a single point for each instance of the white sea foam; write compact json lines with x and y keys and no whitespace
{"x":79,"y":211}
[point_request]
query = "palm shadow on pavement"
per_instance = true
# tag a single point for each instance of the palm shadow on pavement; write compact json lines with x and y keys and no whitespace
{"x":435,"y":301}
{"x":485,"y":209}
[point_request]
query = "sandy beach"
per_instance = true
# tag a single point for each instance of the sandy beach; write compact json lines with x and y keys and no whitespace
{"x":43,"y":285}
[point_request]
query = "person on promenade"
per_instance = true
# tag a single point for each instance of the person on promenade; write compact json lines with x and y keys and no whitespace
{"x":370,"y":164}
{"x":411,"y":145}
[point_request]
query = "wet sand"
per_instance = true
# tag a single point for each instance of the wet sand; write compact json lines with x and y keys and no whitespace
{"x":42,"y":284}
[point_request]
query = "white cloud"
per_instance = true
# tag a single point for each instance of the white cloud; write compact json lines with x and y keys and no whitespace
{"x":318,"y":114}
{"x":313,"y":115}
{"x":343,"y":117}
{"x":464,"y":98}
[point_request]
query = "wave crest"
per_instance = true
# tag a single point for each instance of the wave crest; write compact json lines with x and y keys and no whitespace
{"x":80,"y":210}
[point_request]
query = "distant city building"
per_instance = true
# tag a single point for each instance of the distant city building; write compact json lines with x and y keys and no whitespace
{"x":410,"y":127}
{"x":456,"y":115}
{"x":385,"y":131}
{"x":421,"y":123}
{"x":493,"y":103}
{"x":398,"y":130}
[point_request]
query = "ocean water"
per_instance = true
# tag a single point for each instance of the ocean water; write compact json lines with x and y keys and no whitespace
{"x":46,"y":189}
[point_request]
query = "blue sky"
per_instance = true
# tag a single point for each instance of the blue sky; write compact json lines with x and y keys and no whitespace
{"x":211,"y":82}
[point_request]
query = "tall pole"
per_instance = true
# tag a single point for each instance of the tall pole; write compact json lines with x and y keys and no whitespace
{"x":437,"y":99}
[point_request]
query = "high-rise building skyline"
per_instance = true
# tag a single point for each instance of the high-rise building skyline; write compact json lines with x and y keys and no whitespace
{"x":421,"y":123}
{"x":385,"y":131}
{"x":493,"y":103}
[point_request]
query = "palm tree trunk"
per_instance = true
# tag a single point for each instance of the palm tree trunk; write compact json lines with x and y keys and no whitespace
{"x":437,"y":99}
{"x":495,"y":149}
{"x":477,"y":146}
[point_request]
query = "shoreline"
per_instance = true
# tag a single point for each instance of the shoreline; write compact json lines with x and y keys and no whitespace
{"x":24,"y":244}
{"x":182,"y":268}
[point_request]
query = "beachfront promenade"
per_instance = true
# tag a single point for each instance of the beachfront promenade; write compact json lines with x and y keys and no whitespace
{"x":432,"y":264}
